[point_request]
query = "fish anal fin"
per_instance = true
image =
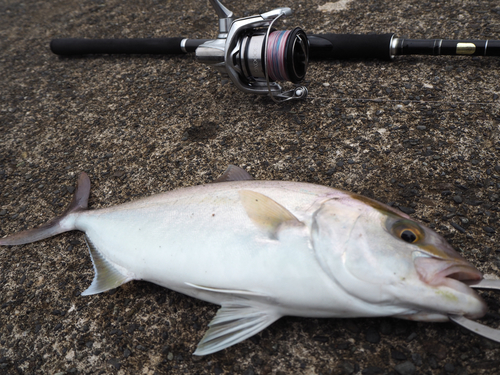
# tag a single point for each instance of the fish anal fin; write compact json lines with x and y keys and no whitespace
{"x":58,"y":224}
{"x":233,"y":323}
{"x":266,"y":213}
{"x":234,"y":173}
{"x":107,"y":276}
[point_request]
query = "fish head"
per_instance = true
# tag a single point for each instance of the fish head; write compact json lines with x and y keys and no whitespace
{"x":390,"y":263}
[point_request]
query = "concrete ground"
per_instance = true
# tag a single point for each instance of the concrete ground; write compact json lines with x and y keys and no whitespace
{"x":424,"y":139}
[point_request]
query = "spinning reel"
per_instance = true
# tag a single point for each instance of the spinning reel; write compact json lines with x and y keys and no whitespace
{"x":248,"y":50}
{"x":255,"y":56}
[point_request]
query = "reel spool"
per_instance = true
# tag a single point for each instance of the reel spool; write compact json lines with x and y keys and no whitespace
{"x":255,"y":56}
{"x":286,"y":60}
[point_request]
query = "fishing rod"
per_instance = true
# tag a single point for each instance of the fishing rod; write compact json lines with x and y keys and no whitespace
{"x":255,"y":56}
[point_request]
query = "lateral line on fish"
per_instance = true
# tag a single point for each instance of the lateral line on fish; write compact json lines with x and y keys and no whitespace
{"x":225,"y":291}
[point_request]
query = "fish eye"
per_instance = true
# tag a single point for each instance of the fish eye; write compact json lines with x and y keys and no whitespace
{"x":408,"y":236}
{"x":406,"y":230}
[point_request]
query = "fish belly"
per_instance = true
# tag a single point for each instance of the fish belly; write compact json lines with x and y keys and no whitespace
{"x":204,"y":237}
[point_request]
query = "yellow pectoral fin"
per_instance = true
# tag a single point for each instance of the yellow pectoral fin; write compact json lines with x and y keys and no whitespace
{"x":266,"y":213}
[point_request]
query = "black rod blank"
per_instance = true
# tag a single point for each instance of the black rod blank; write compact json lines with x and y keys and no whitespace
{"x":349,"y":46}
{"x":385,"y":46}
{"x":321,"y":46}
{"x":403,"y":46}
{"x":163,"y":46}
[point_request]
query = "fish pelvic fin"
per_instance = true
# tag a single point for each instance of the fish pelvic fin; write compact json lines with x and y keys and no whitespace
{"x":58,"y":224}
{"x":107,"y":276}
{"x":234,"y":173}
{"x":233,"y":323}
{"x":243,"y":314}
{"x":266,"y":213}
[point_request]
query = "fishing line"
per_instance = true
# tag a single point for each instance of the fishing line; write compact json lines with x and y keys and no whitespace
{"x":276,"y":48}
{"x":404,"y":101}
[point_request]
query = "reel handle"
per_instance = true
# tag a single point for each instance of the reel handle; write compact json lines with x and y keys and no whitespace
{"x":164,"y":46}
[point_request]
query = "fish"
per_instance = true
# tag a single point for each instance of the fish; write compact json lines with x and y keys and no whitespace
{"x":267,"y":249}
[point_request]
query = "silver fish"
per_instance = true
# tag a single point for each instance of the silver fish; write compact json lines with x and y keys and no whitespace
{"x":265,"y":249}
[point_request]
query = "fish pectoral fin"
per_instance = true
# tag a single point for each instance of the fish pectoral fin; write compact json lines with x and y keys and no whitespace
{"x":107,"y":276}
{"x":234,"y":173}
{"x":266,"y":213}
{"x":233,"y":323}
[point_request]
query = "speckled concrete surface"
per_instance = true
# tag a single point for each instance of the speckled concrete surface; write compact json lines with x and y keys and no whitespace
{"x":141,"y":125}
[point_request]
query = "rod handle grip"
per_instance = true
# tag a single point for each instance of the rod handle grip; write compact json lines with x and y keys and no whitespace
{"x":347,"y":46}
{"x":82,"y":46}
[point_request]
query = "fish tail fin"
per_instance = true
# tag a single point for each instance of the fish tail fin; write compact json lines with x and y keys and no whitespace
{"x":58,"y":224}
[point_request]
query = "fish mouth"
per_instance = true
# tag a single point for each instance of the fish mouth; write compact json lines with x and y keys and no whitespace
{"x":454,"y":273}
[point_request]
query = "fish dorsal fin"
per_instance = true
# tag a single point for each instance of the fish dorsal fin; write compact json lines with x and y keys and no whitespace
{"x":234,"y":173}
{"x":266,"y":213}
{"x":107,"y":276}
